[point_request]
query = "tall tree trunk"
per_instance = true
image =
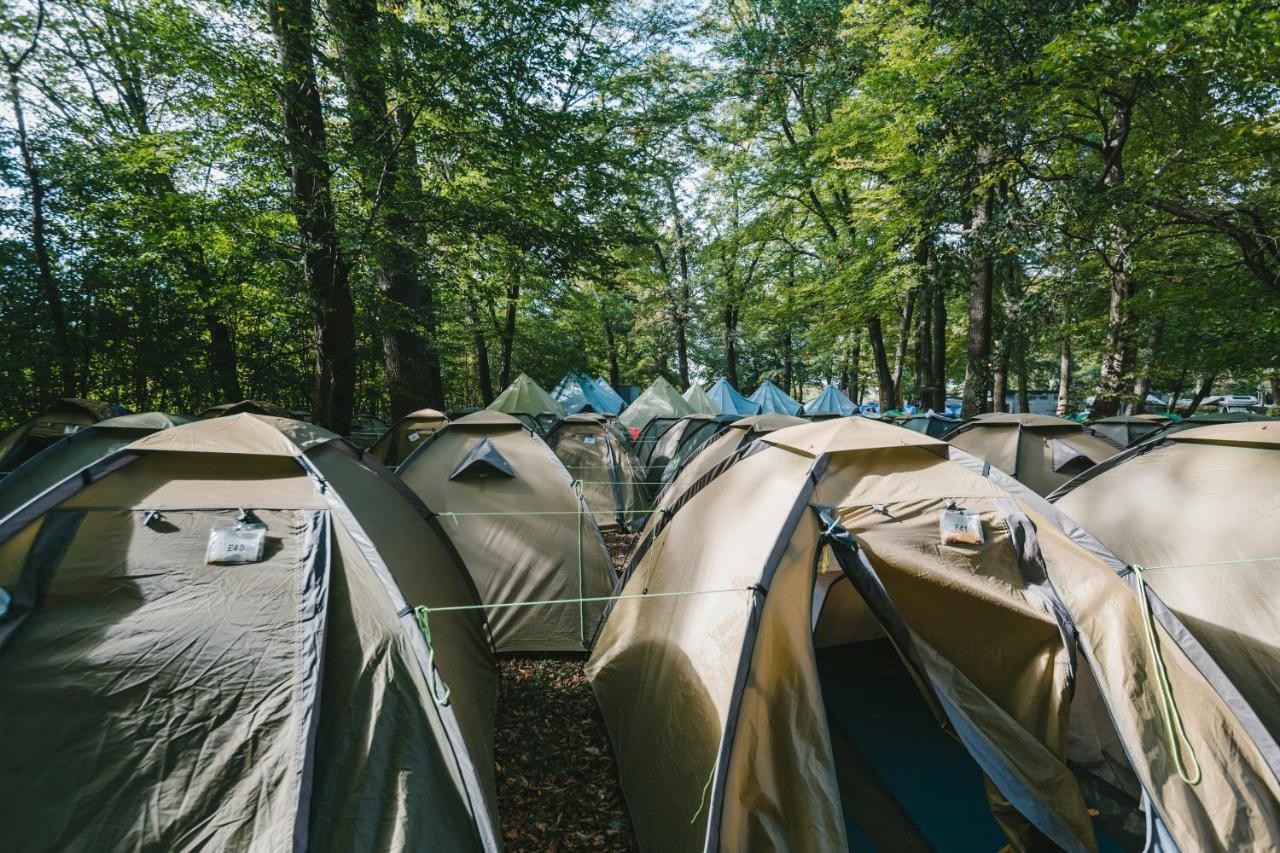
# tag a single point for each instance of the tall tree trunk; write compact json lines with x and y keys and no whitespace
{"x":1000,"y":382}
{"x":939,"y":347}
{"x":900,"y":349}
{"x":855,"y":361}
{"x":45,"y":279}
{"x":376,"y":148}
{"x":1142,"y":386}
{"x":924,"y":341}
{"x":884,"y":374}
{"x":324,"y":266}
{"x":1275,"y":389}
{"x":426,"y":302}
{"x":1117,"y":354}
{"x":222,"y":357}
{"x":484,"y":377}
{"x":1202,"y":391}
{"x":977,"y":373}
{"x":1024,"y":395}
{"x":1064,"y":368}
{"x":509,"y":327}
{"x":681,"y":312}
{"x":611,"y":344}
{"x":731,"y":344}
{"x":788,"y":371}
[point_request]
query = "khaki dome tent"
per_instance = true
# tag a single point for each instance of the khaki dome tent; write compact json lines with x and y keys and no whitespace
{"x":405,"y":435}
{"x":76,"y":452}
{"x":509,"y":507}
{"x":788,"y":665}
{"x":671,"y":446}
{"x":1211,"y":418}
{"x":705,"y":460}
{"x":1125,"y":430}
{"x":613,"y":482}
{"x":659,"y":400}
{"x":244,"y":407}
{"x":221,"y":685}
{"x":1042,"y":451}
{"x":62,"y":418}
{"x":1200,"y":509}
{"x":698,"y":399}
{"x":524,"y":396}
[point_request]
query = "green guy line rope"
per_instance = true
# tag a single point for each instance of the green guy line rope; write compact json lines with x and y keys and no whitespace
{"x":420,"y":613}
{"x":702,"y":802}
{"x":1174,"y":731}
{"x":1220,"y":563}
{"x":582,"y":608}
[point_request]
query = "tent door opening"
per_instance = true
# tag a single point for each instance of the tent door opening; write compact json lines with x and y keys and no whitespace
{"x":905,"y":783}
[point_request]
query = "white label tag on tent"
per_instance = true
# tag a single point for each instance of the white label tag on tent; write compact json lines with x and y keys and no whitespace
{"x":236,"y":543}
{"x":70,"y":429}
{"x":957,"y":527}
{"x":414,"y":436}
{"x":588,"y":439}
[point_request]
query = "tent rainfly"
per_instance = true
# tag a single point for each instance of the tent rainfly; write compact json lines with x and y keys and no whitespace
{"x":1199,"y":510}
{"x":930,"y":423}
{"x":406,"y":435}
{"x":1042,"y":451}
{"x":876,"y":588}
{"x":1210,"y":418}
{"x":62,"y":418}
{"x":698,"y":399}
{"x":660,"y":399}
{"x":221,"y":614}
{"x":1125,"y":431}
{"x":510,"y":508}
{"x":613,"y":482}
{"x":524,"y":396}
{"x":578,"y":392}
{"x":771,"y":398}
{"x":77,"y":452}
{"x":832,"y":401}
{"x":243,"y":407}
{"x":614,"y":399}
{"x":670,"y":447}
{"x":710,"y":455}
{"x":728,"y":401}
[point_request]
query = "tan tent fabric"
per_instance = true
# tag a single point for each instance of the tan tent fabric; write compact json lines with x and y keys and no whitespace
{"x":62,"y":418}
{"x":726,"y":678}
{"x":75,"y":452}
{"x":1041,"y":451}
{"x":244,"y":407}
{"x":519,"y":535}
{"x":660,"y":399}
{"x":1124,"y":430}
{"x":699,"y":401}
{"x":1202,"y":498}
{"x":284,"y":703}
{"x":406,"y":435}
{"x":525,"y":396}
{"x":739,"y":434}
{"x":613,"y":482}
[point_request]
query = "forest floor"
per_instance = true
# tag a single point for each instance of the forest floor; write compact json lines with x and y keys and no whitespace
{"x":557,"y":781}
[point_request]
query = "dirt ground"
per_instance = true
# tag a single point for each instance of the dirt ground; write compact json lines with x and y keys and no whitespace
{"x":557,"y":781}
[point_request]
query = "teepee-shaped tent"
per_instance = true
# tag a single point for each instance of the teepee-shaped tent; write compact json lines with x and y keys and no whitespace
{"x":612,"y":396}
{"x":659,"y":400}
{"x":698,"y":398}
{"x":524,"y":396}
{"x":832,"y":401}
{"x":728,"y":401}
{"x":771,"y":398}
{"x":578,"y":392}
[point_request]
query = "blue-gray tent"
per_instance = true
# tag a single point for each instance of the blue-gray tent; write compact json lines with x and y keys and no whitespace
{"x":608,"y":393}
{"x":578,"y":392}
{"x":727,"y":399}
{"x":832,"y":401}
{"x":771,"y":398}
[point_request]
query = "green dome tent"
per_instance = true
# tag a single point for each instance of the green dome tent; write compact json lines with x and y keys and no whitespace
{"x":62,"y":418}
{"x":1125,"y":431}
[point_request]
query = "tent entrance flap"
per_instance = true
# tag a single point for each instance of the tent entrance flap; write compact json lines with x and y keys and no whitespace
{"x":905,"y":784}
